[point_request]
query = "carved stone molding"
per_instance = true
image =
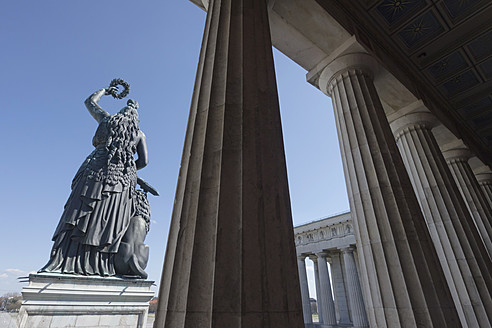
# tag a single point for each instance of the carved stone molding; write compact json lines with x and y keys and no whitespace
{"x":326,"y":233}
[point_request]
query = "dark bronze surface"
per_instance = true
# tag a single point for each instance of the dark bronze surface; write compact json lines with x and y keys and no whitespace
{"x":105,"y":220}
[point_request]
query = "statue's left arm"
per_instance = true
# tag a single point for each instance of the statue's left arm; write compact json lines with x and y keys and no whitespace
{"x":143,"y":155}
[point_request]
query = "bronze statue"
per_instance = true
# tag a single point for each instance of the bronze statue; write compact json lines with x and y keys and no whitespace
{"x":105,"y":220}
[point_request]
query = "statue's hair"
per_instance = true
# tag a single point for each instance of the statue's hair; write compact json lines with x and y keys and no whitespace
{"x":142,"y":207}
{"x":121,"y":142}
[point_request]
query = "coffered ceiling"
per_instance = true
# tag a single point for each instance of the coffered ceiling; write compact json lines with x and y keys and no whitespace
{"x":440,"y":49}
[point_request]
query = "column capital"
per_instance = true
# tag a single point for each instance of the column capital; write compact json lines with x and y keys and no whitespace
{"x":457,"y":154}
{"x":323,"y":255}
{"x":301,"y":257}
{"x":485,"y":177}
{"x":313,"y":257}
{"x":347,"y":249}
{"x":418,"y":118}
{"x":357,"y":61}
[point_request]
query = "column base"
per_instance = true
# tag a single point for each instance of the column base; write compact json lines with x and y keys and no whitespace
{"x":56,"y":300}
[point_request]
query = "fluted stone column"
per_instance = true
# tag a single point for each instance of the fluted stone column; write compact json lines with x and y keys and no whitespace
{"x":230,"y":259}
{"x":306,"y":304}
{"x":357,"y":307}
{"x":338,"y":285}
{"x":403,"y":283}
{"x":462,"y":255}
{"x":480,"y":210}
{"x":485,"y":182}
{"x":314,"y":258}
{"x":329,"y":315}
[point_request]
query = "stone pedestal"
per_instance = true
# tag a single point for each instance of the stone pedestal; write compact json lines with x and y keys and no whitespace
{"x":54,"y":300}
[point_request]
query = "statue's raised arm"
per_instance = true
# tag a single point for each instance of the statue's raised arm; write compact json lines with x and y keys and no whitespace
{"x":93,"y":107}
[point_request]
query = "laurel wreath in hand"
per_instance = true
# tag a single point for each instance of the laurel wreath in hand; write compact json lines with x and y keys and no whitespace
{"x":122,"y":94}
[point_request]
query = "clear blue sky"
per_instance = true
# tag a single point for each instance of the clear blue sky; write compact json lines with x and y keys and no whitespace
{"x":56,"y":53}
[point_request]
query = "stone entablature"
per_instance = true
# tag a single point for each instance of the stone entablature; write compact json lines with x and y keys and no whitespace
{"x":332,"y":232}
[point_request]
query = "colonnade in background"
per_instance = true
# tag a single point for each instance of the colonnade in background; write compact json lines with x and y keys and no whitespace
{"x":328,"y":243}
{"x":346,"y":308}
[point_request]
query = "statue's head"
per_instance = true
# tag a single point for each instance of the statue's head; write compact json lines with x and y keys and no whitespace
{"x":132,"y":103}
{"x":130,"y":109}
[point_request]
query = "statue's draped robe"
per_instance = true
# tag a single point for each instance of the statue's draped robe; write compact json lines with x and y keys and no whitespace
{"x":97,"y":213}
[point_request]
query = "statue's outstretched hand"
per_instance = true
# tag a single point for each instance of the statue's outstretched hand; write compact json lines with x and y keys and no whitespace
{"x":111,"y":90}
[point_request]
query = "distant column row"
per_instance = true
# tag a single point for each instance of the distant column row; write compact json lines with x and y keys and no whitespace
{"x":452,"y":226}
{"x":341,"y":303}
